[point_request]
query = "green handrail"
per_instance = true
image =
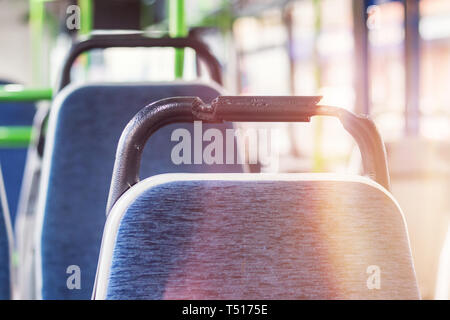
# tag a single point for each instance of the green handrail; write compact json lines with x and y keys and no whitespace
{"x":37,"y":17}
{"x":15,"y":136}
{"x":87,"y":16}
{"x":18,"y":93}
{"x":178,"y":28}
{"x":19,"y":136}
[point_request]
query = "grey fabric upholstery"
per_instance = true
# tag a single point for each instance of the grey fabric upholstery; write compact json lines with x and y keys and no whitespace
{"x":249,"y":236}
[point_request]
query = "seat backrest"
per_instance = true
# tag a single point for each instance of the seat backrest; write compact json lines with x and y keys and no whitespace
{"x":5,"y":243}
{"x":252,"y":236}
{"x":85,"y":125}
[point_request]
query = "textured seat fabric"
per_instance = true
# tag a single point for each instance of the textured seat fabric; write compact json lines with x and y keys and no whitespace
{"x":84,"y":129}
{"x":5,"y":237}
{"x":255,"y":237}
{"x":13,"y":158}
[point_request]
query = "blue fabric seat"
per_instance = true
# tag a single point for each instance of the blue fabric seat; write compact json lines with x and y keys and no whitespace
{"x":248,"y":236}
{"x":5,"y":238}
{"x":85,"y":125}
{"x":13,"y":158}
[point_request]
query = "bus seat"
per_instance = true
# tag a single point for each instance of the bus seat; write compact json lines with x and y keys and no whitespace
{"x":253,"y":236}
{"x":84,"y":127}
{"x":256,"y":236}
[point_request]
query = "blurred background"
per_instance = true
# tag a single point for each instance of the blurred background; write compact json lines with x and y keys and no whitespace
{"x":386,"y":59}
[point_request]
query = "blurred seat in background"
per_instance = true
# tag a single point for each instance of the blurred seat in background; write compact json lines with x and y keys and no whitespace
{"x":84,"y":128}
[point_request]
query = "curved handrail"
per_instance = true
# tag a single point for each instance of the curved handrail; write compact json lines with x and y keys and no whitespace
{"x":238,"y":109}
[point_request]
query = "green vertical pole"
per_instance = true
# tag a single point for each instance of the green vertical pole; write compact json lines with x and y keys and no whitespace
{"x":87,"y":23}
{"x":37,"y":16}
{"x":177,"y":28}
{"x":87,"y":15}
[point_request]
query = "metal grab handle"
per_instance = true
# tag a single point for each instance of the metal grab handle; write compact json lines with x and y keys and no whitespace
{"x":104,"y":41}
{"x":238,"y":109}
